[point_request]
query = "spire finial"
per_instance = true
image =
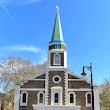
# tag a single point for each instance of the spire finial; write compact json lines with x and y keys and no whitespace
{"x":57,"y":8}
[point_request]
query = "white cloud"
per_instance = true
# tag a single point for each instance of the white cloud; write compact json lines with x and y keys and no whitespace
{"x":24,"y":48}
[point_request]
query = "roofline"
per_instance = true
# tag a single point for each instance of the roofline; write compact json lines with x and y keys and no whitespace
{"x":32,"y":78}
{"x":57,"y":41}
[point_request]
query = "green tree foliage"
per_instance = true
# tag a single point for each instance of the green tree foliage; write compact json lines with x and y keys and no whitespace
{"x":105,"y":95}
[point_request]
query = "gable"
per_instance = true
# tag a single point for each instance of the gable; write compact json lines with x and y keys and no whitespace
{"x":42,"y":76}
{"x":38,"y":77}
{"x":74,"y":76}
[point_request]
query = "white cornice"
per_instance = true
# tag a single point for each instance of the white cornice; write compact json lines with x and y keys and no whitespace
{"x":80,"y":89}
{"x":36,"y":76}
{"x":32,"y":78}
{"x":37,"y":79}
{"x":57,"y":43}
{"x":76,"y":80}
{"x":32,"y":89}
{"x":76,"y":75}
{"x":56,"y":69}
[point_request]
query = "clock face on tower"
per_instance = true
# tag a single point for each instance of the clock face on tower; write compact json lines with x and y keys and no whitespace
{"x":57,"y":46}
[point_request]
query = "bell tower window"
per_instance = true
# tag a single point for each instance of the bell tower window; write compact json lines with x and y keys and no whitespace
{"x":57,"y":59}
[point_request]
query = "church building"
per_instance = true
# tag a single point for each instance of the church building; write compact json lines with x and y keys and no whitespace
{"x":57,"y":88}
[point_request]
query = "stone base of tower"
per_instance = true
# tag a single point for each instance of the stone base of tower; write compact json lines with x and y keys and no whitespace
{"x":56,"y":107}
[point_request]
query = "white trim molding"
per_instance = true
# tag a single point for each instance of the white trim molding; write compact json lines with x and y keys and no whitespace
{"x":88,"y":104}
{"x":17,"y":97}
{"x":76,"y":80}
{"x":53,"y":107}
{"x":32,"y":78}
{"x":37,"y":79}
{"x":32,"y":89}
{"x":38,"y":95}
{"x":54,"y":59}
{"x":66,"y":87}
{"x":80,"y":89}
{"x":56,"y":76}
{"x":46,"y":87}
{"x":57,"y":90}
{"x":57,"y":51}
{"x":96,"y":99}
{"x":21,"y":98}
{"x":74,"y":98}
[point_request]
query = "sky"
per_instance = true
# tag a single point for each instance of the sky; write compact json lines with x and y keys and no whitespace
{"x":26,"y":28}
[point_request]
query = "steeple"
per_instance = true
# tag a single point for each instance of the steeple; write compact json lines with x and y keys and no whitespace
{"x":57,"y":54}
{"x":57,"y":35}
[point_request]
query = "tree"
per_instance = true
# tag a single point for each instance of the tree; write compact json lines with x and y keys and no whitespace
{"x":15,"y":70}
{"x":41,"y":68}
{"x":105,"y":94}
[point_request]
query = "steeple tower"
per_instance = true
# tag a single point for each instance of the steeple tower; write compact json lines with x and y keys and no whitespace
{"x":57,"y":35}
{"x":57,"y":55}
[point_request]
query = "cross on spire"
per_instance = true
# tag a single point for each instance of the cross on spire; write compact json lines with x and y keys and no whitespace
{"x":57,"y":8}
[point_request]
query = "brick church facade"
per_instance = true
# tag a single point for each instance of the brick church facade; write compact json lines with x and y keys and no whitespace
{"x":57,"y":88}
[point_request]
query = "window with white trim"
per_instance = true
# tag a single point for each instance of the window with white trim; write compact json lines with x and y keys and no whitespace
{"x":88,"y":99}
{"x":41,"y":98}
{"x":56,"y":98}
{"x":24,"y":98}
{"x":56,"y":79}
{"x":57,"y":59}
{"x":56,"y":95}
{"x":72,"y":98}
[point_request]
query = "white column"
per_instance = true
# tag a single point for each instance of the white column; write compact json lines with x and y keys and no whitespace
{"x":46,"y":88}
{"x":96,"y":99}
{"x":17,"y":97}
{"x":66,"y":88}
{"x":65,"y":59}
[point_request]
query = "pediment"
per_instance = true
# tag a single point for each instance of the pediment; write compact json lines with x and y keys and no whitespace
{"x":36,"y":77}
{"x":73,"y":77}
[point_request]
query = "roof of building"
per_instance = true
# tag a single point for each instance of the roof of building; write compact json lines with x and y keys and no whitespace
{"x":57,"y":35}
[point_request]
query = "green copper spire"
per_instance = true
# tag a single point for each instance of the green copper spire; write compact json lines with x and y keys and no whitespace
{"x":57,"y":35}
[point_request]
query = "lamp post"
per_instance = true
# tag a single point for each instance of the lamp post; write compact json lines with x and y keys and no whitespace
{"x":84,"y":74}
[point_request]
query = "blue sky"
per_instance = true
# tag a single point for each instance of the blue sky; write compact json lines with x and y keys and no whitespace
{"x":26,"y":28}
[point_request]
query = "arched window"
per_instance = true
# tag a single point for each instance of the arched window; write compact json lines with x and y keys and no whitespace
{"x":72,"y":98}
{"x":24,"y":98}
{"x":41,"y":98}
{"x":56,"y":98}
{"x":88,"y":99}
{"x":57,"y":59}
